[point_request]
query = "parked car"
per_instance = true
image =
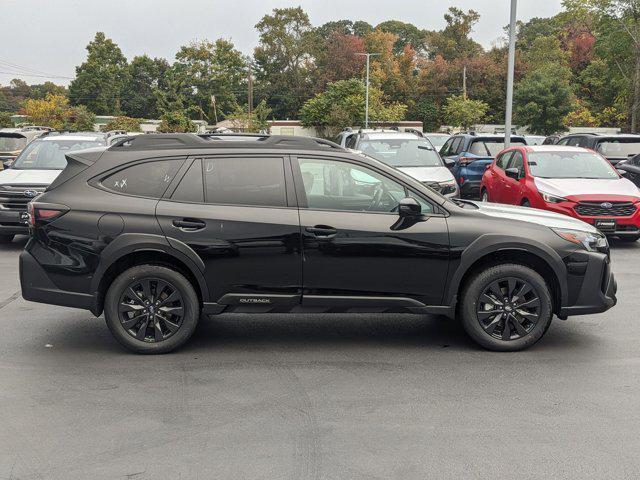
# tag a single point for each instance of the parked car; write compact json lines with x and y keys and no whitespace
{"x":35,"y":168}
{"x":631,"y":169}
{"x":615,"y":148}
{"x":551,"y":140}
{"x":409,"y":153}
{"x":569,"y":180}
{"x":437,"y":139}
{"x":343,"y":137}
{"x":469,"y":154}
{"x":159,"y":229}
{"x":14,"y":140}
{"x":534,"y":139}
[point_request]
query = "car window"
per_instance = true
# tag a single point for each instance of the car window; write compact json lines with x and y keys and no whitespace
{"x":50,"y":154}
{"x":570,"y":164}
{"x":516,"y":161}
{"x":191,"y":187}
{"x":148,"y":179}
{"x":573,"y":141}
{"x":352,"y":141}
{"x":479,"y":148}
{"x":401,"y":152}
{"x":503,"y":160}
{"x":11,"y":143}
{"x":458,"y":146}
{"x":336,"y":185}
{"x":619,"y":148}
{"x":245,"y":181}
{"x":490,"y":147}
{"x":446,"y":147}
{"x":562,"y":141}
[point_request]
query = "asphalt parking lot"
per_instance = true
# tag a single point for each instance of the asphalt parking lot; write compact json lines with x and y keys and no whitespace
{"x":318,"y":397}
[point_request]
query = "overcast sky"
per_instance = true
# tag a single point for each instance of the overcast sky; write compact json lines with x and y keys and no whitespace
{"x":48,"y":37}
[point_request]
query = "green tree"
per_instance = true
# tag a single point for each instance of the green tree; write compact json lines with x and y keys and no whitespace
{"x":464,"y":112}
{"x":145,"y":76}
{"x":455,"y":41}
{"x":128,"y":124}
{"x":100,"y":78}
{"x":283,"y":60}
{"x":544,"y":98}
{"x":407,"y":34}
{"x":54,"y":111}
{"x":342,"y":105}
{"x":257,"y":122}
{"x":5,"y":120}
{"x":79,"y":119}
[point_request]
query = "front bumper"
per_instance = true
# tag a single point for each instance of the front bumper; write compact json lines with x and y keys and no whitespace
{"x":12,"y":222}
{"x":592,"y":285}
{"x":624,"y":226}
{"x":470,"y":189}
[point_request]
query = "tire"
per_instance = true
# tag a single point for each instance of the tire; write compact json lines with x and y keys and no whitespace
{"x":167,"y":291}
{"x":6,"y":238}
{"x":629,"y":239}
{"x":484,"y":196}
{"x":525,"y":203}
{"x":478,"y":320}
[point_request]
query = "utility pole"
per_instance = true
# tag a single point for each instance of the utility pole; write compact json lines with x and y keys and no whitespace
{"x":366,"y":95}
{"x":250,"y":94}
{"x":512,"y":61}
{"x":213,"y":104}
{"x":464,"y":82}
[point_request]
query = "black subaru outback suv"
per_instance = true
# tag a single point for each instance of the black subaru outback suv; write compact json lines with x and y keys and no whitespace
{"x":159,"y":229}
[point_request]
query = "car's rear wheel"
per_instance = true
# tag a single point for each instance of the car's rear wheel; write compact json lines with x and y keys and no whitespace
{"x":506,"y":307}
{"x":151,"y":309}
{"x":484,"y":197}
{"x":6,"y":238}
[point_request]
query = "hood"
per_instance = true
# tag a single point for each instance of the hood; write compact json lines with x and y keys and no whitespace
{"x":533,"y":215}
{"x":429,"y":174}
{"x":28,"y":177}
{"x":567,"y":187}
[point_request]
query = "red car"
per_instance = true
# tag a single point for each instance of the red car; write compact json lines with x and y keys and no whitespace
{"x":574,"y":181}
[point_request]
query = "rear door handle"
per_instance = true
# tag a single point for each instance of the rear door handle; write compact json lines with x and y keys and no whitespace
{"x":322,"y":231}
{"x":189,"y":224}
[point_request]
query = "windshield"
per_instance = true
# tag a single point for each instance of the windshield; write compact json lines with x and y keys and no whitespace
{"x":570,"y":165}
{"x":11,"y":144}
{"x":438,"y":140}
{"x":489,"y":147}
{"x":619,"y":148}
{"x":402,"y":152}
{"x":49,"y":154}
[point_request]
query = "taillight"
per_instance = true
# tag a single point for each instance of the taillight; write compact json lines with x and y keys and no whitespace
{"x":462,"y":180}
{"x":42,"y":213}
{"x":466,"y":160}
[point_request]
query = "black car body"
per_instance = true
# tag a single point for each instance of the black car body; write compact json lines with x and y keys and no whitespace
{"x":615,"y":148}
{"x":284,"y":224}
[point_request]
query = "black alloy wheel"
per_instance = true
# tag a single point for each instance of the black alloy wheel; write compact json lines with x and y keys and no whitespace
{"x":151,"y":309}
{"x":508,"y":308}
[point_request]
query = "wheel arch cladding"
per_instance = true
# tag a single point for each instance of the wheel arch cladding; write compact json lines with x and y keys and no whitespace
{"x":136,"y":249}
{"x":491,"y":249}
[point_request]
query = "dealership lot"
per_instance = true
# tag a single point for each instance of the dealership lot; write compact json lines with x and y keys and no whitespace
{"x":318,"y":396}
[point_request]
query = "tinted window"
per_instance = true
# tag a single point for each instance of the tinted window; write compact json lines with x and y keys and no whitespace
{"x":191,"y":187}
{"x":573,"y":141}
{"x":334,"y":185}
{"x":457,"y":146}
{"x":563,"y":141}
{"x":245,"y":181}
{"x":446,"y":147}
{"x":503,"y":160}
{"x":351,"y":141}
{"x":148,"y":179}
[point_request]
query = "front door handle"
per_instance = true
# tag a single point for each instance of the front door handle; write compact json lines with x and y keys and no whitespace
{"x":189,"y":224}
{"x":322,"y":231}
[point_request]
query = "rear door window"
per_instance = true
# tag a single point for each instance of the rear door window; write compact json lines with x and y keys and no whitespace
{"x":258,"y":181}
{"x":147,"y":179}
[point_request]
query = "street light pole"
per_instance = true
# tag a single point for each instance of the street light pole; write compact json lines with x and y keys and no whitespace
{"x":366,"y":94}
{"x":511,"y":67}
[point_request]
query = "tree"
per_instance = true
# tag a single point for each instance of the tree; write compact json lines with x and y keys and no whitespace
{"x":463,"y":112}
{"x":407,"y":34}
{"x":283,"y":60}
{"x":454,"y":40}
{"x":100,"y":78}
{"x":205,"y":69}
{"x":361,"y":28}
{"x":174,"y":116}
{"x":580,"y":117}
{"x":54,"y":111}
{"x":339,"y":59}
{"x":127,"y":124}
{"x":257,"y":122}
{"x":544,"y":98}
{"x":5,"y":120}
{"x":145,"y":75}
{"x":342,"y":105}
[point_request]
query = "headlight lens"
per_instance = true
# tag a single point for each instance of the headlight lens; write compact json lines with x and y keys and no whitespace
{"x":547,"y":197}
{"x":444,"y":188}
{"x":590,"y":241}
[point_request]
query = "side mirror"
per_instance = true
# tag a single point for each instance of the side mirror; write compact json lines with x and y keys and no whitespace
{"x":621,"y":171}
{"x":409,"y":207}
{"x":513,"y":173}
{"x":488,"y":166}
{"x":449,"y":162}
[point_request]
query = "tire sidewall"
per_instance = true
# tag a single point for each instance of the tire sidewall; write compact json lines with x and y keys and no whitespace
{"x":477,"y":285}
{"x":191,"y":309}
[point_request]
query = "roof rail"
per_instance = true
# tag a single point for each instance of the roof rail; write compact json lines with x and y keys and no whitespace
{"x":415,"y":132}
{"x":235,"y":140}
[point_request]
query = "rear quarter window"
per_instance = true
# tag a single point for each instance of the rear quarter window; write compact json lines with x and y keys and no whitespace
{"x":147,"y":179}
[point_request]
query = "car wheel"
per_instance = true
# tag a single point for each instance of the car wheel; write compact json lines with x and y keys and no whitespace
{"x":485,"y":196}
{"x":6,"y":238}
{"x":525,"y":203}
{"x":151,"y":309}
{"x":506,"y":307}
{"x":630,"y":238}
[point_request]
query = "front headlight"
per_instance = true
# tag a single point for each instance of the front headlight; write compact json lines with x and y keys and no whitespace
{"x":592,"y":242}
{"x":547,"y":197}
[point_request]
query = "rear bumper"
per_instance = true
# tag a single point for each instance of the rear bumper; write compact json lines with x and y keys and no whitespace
{"x":11,"y":222}
{"x":593,"y":291}
{"x":37,"y":287}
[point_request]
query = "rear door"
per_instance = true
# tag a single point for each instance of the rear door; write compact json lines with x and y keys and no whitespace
{"x":238,"y":213}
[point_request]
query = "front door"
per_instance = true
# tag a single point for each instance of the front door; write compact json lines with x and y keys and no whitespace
{"x":357,"y":252}
{"x":234,"y":212}
{"x":512,"y":192}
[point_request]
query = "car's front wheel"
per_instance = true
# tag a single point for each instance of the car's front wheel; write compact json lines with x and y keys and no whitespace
{"x":485,"y":196}
{"x":151,"y":309}
{"x":506,"y":307}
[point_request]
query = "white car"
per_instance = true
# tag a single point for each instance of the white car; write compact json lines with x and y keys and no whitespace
{"x":33,"y":171}
{"x":410,"y":154}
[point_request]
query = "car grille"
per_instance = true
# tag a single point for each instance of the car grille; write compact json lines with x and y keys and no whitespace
{"x":13,"y":197}
{"x":596,"y":209}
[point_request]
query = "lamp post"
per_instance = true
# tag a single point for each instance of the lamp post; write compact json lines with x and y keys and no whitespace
{"x":512,"y":61}
{"x":366,"y":94}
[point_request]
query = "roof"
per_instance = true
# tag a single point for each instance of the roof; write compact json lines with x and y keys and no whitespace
{"x":486,"y":135}
{"x":389,"y":135}
{"x":71,"y":137}
{"x":555,"y":148}
{"x":604,"y":135}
